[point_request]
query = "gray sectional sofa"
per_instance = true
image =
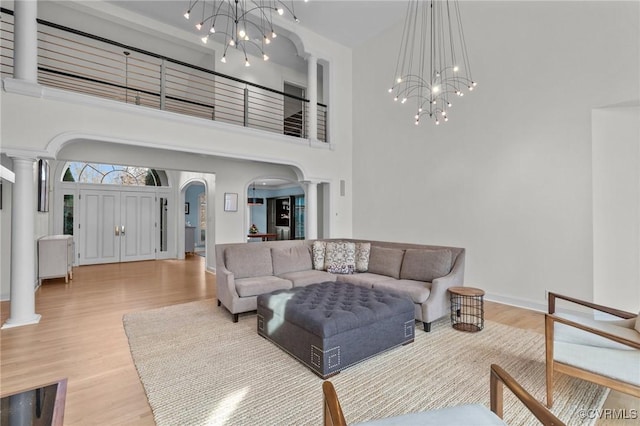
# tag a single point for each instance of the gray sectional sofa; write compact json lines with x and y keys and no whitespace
{"x":420,"y":272}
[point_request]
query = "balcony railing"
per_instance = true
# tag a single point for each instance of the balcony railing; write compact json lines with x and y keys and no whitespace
{"x":77,"y":61}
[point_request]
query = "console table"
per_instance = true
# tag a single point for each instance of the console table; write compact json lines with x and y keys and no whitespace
{"x":263,"y":237}
{"x":55,"y":257}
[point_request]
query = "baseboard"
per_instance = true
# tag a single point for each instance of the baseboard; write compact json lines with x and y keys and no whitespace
{"x":517,"y":302}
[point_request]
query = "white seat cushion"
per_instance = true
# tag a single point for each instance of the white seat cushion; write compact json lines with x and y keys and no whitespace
{"x":598,"y":354}
{"x":471,"y":414}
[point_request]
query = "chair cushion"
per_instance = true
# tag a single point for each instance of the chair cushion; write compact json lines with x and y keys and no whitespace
{"x":385,"y":261}
{"x":254,"y":286}
{"x":471,"y":414}
{"x":568,"y":334}
{"x":425,"y":265}
{"x":248,"y":261}
{"x":291,"y":259}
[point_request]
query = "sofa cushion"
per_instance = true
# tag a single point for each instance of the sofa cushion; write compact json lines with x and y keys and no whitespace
{"x":247,"y":287}
{"x":363,"y":251}
{"x":425,"y":265}
{"x":385,"y":261}
{"x":340,"y":253}
{"x":319,"y":249}
{"x":363,"y":279}
{"x":248,"y":261}
{"x":291,"y":259}
{"x":304,"y":278}
{"x":418,"y":291}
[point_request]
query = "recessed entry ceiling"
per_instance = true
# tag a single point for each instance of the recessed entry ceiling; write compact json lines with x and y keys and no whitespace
{"x":349,"y":23}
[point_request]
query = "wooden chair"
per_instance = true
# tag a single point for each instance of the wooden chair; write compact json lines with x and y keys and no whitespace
{"x":457,"y":415}
{"x":602,"y":352}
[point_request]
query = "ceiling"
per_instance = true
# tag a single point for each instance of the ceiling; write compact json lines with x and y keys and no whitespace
{"x":349,"y":22}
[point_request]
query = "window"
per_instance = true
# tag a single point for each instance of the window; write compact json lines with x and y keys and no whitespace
{"x":109,"y":174}
{"x":202,"y":215}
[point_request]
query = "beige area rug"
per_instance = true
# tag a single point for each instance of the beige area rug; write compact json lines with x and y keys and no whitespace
{"x":199,"y":368}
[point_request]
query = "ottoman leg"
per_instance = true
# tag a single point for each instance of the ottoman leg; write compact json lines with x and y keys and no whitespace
{"x":427,"y":326}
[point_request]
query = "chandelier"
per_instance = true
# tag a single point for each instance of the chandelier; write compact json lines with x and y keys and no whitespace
{"x":242,"y":24}
{"x":433,"y":66}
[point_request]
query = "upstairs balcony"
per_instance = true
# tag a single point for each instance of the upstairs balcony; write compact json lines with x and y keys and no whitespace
{"x":73,"y":60}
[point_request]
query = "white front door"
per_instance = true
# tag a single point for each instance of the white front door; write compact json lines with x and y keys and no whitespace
{"x":116,"y":226}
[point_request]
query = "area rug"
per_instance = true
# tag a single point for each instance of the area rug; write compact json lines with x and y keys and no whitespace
{"x":199,"y":368}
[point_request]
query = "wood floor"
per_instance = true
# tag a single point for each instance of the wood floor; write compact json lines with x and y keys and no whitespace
{"x":81,"y":336}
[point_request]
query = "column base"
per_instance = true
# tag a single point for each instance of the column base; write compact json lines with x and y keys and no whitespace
{"x":11,"y":323}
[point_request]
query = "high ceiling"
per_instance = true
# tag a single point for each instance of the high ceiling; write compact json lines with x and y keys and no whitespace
{"x":349,"y":22}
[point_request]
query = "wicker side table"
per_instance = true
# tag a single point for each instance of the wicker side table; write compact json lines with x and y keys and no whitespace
{"x":467,"y":308}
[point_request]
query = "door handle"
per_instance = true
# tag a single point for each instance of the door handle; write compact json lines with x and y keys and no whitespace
{"x":117,"y":231}
{"x":122,"y":230}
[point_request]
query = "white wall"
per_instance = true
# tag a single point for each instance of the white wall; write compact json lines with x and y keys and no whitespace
{"x":616,"y":207}
{"x":509,"y":176}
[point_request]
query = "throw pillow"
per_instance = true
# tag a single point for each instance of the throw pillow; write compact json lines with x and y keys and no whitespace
{"x":385,"y":261}
{"x":363,"y":251}
{"x":340,"y":268}
{"x":319,"y":249}
{"x":425,"y":265}
{"x":340,"y":252}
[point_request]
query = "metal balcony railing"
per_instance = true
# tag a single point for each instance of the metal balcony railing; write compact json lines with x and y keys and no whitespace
{"x":80,"y":62}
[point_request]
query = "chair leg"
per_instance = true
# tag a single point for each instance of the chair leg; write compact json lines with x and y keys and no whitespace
{"x":427,"y":326}
{"x":219,"y":303}
{"x":548,"y":337}
{"x":235,"y":317}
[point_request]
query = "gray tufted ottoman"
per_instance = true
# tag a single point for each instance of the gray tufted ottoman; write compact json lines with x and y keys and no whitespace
{"x":333,"y":325}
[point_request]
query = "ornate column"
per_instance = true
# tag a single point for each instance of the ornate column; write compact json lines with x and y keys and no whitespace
{"x":25,"y":66}
{"x":312,"y":94}
{"x":311,"y":211}
{"x":23,"y":260}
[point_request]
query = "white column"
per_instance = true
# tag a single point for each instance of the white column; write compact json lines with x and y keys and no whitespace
{"x":311,"y":211}
{"x":23,"y":260}
{"x":312,"y":94}
{"x":25,"y":66}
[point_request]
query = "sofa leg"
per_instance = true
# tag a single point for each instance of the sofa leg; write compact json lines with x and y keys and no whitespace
{"x":427,"y":326}
{"x":219,"y":302}
{"x":235,"y":317}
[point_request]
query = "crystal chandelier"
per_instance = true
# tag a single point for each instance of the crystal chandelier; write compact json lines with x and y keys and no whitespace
{"x":242,"y":24}
{"x":433,"y":66}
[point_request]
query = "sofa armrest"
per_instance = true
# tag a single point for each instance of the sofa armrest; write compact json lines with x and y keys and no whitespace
{"x":454,"y":278}
{"x":225,"y":286}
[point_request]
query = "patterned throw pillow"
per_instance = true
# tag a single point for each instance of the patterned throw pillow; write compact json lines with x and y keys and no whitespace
{"x":336,"y":268}
{"x":319,"y":248}
{"x":363,"y":250}
{"x":340,"y":253}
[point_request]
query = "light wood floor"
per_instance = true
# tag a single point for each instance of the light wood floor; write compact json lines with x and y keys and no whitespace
{"x":81,"y":336}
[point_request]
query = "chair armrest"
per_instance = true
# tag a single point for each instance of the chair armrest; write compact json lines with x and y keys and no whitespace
{"x":332,"y":412}
{"x":500,"y":377}
{"x":616,"y":312}
{"x":553,"y":318}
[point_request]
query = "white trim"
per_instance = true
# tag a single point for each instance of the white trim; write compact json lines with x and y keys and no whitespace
{"x":7,"y":174}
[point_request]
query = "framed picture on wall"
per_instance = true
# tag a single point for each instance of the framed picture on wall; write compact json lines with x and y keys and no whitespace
{"x":186,"y":208}
{"x":230,"y":202}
